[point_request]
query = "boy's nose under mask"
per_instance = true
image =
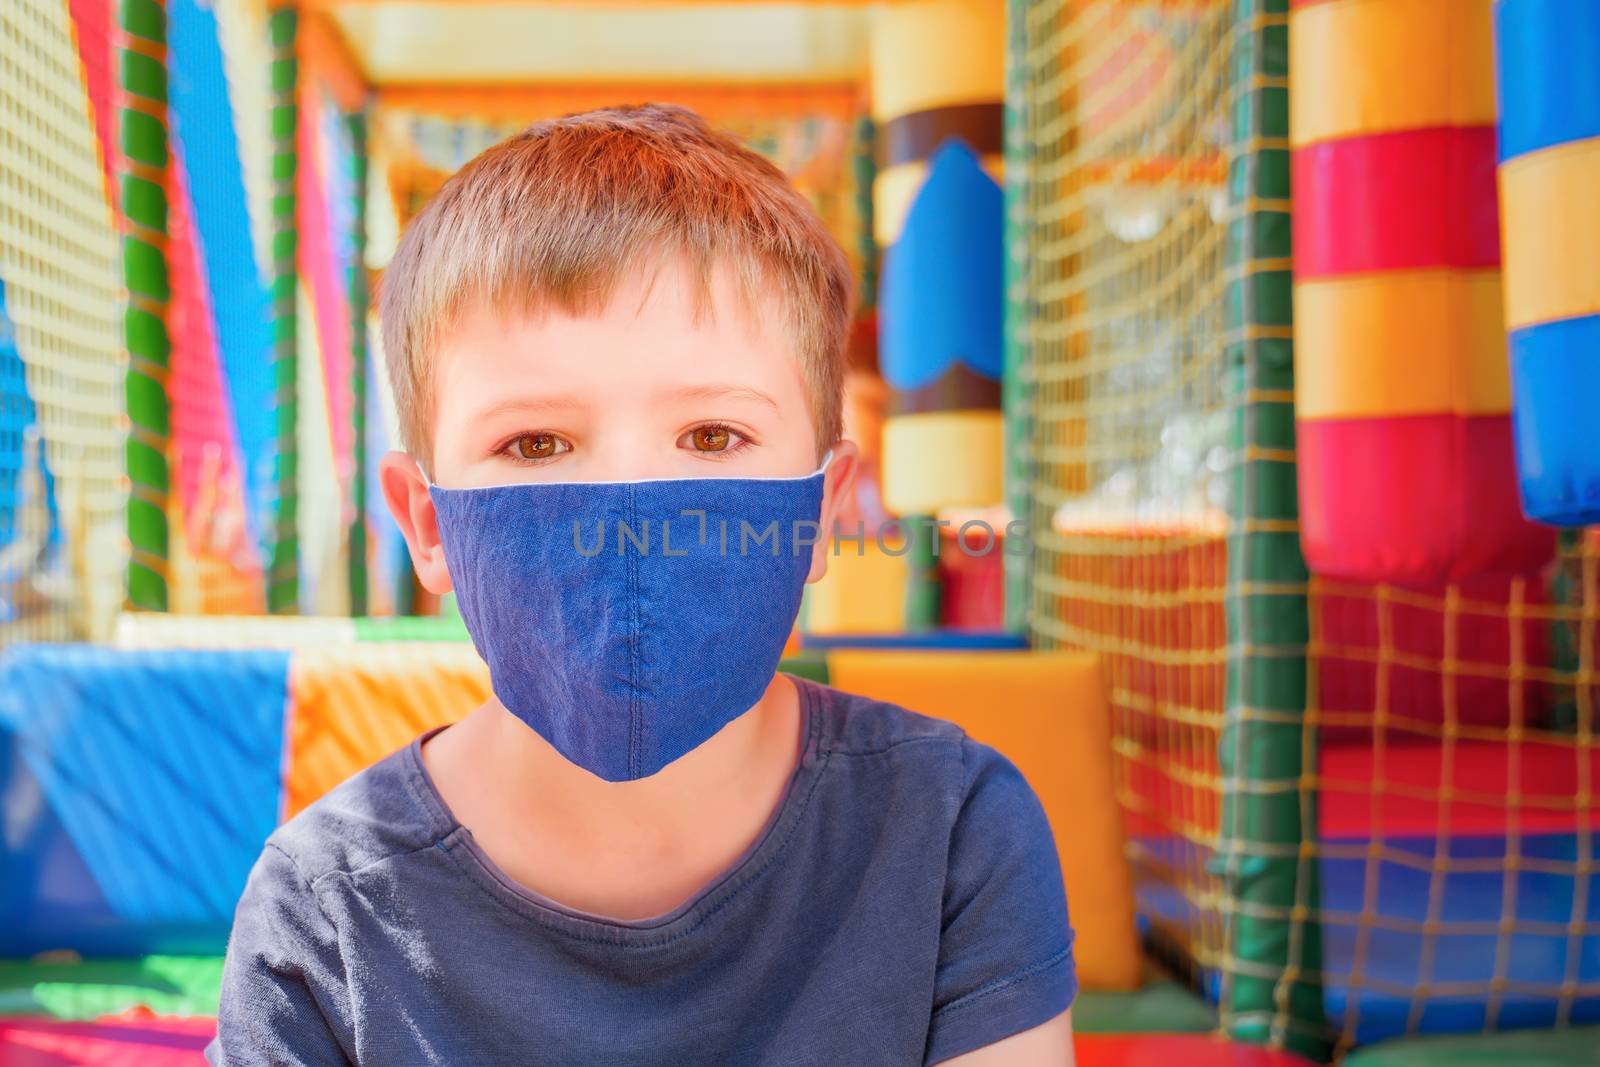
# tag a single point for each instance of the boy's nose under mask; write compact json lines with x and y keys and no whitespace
{"x":628,"y":622}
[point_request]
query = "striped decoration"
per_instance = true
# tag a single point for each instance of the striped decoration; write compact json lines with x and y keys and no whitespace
{"x":1549,"y":76}
{"x":938,"y":87}
{"x":219,"y":317}
{"x":1402,"y":388}
{"x":283,"y":582}
{"x":142,"y":115}
{"x":356,"y":128}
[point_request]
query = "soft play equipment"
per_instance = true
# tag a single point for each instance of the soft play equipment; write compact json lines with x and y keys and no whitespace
{"x":140,"y":629}
{"x":137,"y":1039}
{"x":868,"y":582}
{"x":1388,"y":658}
{"x":140,"y":1040}
{"x":863,"y":592}
{"x":1149,"y":238}
{"x":1402,"y":391}
{"x":1420,"y":834}
{"x":1358,"y":796}
{"x":1549,"y":80}
{"x":138,"y":788}
{"x":87,"y":989}
{"x":63,"y":520}
{"x":937,"y":80}
{"x":146,"y":805}
{"x":1578,"y":1047}
{"x":83,"y":989}
{"x":1444,"y":839}
{"x":214,"y":361}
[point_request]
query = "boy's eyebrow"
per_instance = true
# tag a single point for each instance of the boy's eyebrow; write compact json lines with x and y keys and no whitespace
{"x":724,"y":392}
{"x":517,"y":404}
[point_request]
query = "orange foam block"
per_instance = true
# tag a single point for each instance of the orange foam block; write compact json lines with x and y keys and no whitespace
{"x":350,"y":705}
{"x":1047,"y":713}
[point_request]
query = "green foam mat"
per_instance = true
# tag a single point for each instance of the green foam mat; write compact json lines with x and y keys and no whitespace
{"x":87,"y":989}
{"x":188,"y":985}
{"x":1579,"y":1047}
{"x":812,"y":665}
{"x":1158,"y":1008}
{"x":411,"y":628}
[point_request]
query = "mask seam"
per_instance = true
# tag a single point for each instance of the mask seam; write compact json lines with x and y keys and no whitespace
{"x":635,"y":757}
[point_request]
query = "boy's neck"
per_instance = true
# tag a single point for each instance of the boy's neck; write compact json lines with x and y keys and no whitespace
{"x":616,"y":847}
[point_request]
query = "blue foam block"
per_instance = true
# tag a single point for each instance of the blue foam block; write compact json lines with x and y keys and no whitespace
{"x":1468,"y":948}
{"x":1555,"y":387}
{"x":138,"y":788}
{"x":945,"y":640}
{"x":1547,"y":59}
{"x":1379,"y":989}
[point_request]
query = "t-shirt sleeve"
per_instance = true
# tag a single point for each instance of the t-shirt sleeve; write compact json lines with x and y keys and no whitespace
{"x":1005,"y":947}
{"x":284,"y":997}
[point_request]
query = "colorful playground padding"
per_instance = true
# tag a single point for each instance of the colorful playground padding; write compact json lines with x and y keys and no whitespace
{"x":1439,"y":868}
{"x":138,"y":1040}
{"x":1400,"y":344}
{"x":147,"y":779}
{"x":83,"y":990}
{"x":118,"y":863}
{"x":1548,"y":55}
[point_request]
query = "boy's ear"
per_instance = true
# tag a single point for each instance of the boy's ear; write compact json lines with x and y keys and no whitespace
{"x":837,"y":486}
{"x":406,"y":492}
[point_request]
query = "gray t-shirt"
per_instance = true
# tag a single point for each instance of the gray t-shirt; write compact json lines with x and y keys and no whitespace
{"x":903,"y":905}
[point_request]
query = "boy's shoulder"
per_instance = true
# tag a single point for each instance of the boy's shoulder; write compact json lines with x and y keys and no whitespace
{"x":937,"y":752}
{"x":374,"y":815}
{"x":860,"y":725}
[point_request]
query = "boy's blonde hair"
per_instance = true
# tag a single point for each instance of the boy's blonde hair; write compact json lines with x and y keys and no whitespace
{"x":558,"y":214}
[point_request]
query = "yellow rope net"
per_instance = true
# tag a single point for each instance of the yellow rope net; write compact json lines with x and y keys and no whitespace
{"x":63,"y":556}
{"x":1129,"y":414}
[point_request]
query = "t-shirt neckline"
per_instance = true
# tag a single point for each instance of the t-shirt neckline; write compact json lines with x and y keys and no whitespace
{"x":456,"y":841}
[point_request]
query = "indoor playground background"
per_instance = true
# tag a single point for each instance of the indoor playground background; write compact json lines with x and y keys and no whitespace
{"x":1270,"y":327}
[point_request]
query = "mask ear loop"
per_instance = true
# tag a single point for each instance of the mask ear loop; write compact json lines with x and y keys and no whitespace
{"x":424,"y":472}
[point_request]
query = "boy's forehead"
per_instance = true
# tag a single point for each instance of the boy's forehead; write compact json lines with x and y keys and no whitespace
{"x":664,"y":332}
{"x":669,"y":295}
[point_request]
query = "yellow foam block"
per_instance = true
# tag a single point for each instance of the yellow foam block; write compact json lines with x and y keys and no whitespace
{"x":1047,"y":713}
{"x":351,"y":705}
{"x":1401,"y":343}
{"x":864,"y":591}
{"x":943,"y":459}
{"x":1374,"y":66}
{"x":935,"y":53}
{"x":1550,"y":219}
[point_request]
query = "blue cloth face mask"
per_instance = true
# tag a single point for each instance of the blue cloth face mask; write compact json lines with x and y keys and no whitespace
{"x":628,"y":622}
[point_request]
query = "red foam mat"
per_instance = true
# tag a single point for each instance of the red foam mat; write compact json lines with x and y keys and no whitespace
{"x":152,"y":1041}
{"x":1171,"y":1050}
{"x":133,"y":1040}
{"x":1408,"y":788}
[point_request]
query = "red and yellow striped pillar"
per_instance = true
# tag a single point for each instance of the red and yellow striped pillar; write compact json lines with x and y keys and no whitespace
{"x":1548,"y":53}
{"x":1403,"y":392}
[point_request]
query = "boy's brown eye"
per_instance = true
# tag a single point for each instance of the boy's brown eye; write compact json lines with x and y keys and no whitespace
{"x":537,"y":445}
{"x":711,"y":438}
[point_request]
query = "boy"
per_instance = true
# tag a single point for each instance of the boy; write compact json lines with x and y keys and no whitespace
{"x":616,"y":342}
